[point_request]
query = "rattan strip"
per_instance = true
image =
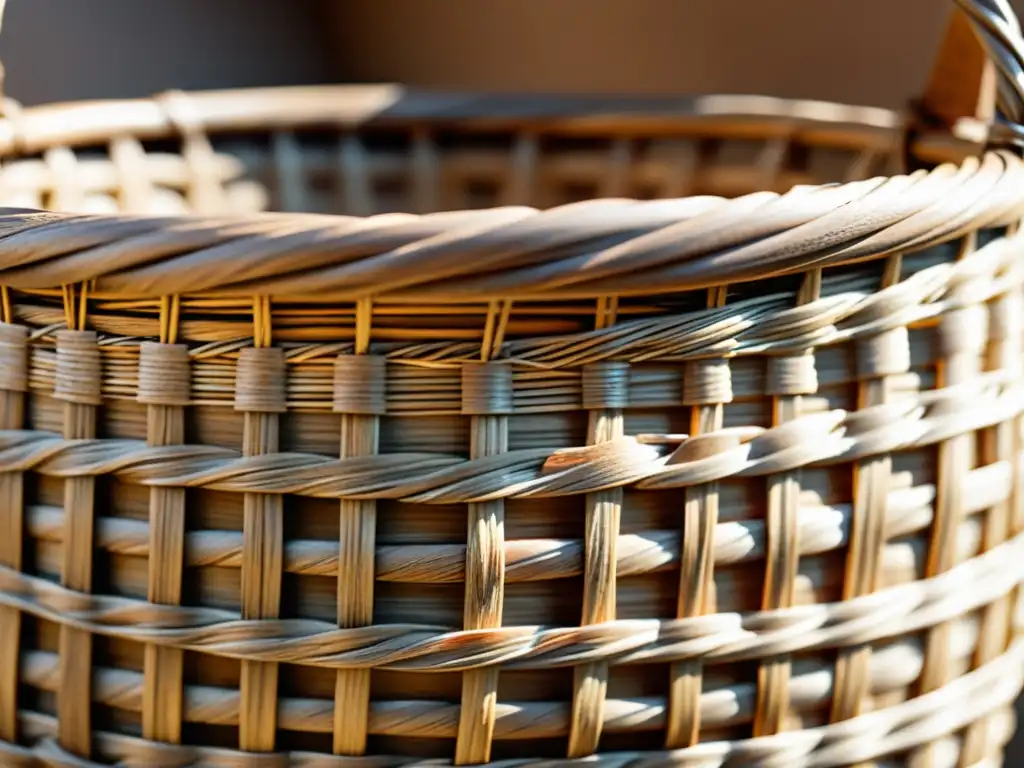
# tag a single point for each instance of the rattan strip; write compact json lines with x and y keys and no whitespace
{"x":728,"y":702}
{"x":13,"y":384}
{"x":506,"y":253}
{"x":360,"y":389}
{"x":259,"y":394}
{"x":709,"y":389}
{"x":876,"y":735}
{"x":1006,"y":328}
{"x":880,"y":358}
{"x":78,"y":365}
{"x":486,"y":400}
{"x":962,"y":339}
{"x":822,"y":529}
{"x":37,"y":128}
{"x":164,"y":387}
{"x":913,"y":730}
{"x":129,"y":179}
{"x":895,"y":611}
{"x":205,"y":191}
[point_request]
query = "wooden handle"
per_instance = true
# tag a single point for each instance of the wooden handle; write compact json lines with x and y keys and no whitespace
{"x":979,"y":72}
{"x":963,"y":77}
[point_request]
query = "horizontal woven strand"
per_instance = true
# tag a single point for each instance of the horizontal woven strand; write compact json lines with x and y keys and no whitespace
{"x":13,"y":358}
{"x":164,"y":374}
{"x":79,"y":369}
{"x":550,"y":388}
{"x":821,"y":529}
{"x":822,"y":438}
{"x":976,"y":695}
{"x":723,"y":703}
{"x":900,"y":610}
{"x":970,"y":705}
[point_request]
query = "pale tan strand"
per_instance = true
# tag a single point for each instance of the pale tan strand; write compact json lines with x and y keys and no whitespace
{"x":794,"y":375}
{"x":979,"y":693}
{"x":360,"y":395}
{"x":605,"y":388}
{"x":78,"y":363}
{"x":707,"y":387}
{"x":13,"y":384}
{"x":14,"y":364}
{"x":887,"y":354}
{"x":360,"y":385}
{"x":260,"y":393}
{"x":487,"y":399}
{"x":78,"y":376}
{"x":789,"y":378}
{"x":826,"y":437}
{"x":164,"y":384}
{"x":823,"y":529}
{"x":1001,"y":443}
{"x":260,"y":384}
{"x":707,"y":382}
{"x":895,"y":611}
{"x":893,"y":668}
{"x":962,"y":338}
{"x":165,"y":376}
{"x":878,"y":358}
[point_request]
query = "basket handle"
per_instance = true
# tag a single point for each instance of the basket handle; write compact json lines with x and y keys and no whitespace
{"x":979,"y":72}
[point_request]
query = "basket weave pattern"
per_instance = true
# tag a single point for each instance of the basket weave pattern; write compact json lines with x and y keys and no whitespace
{"x":720,"y":480}
{"x":234,"y":438}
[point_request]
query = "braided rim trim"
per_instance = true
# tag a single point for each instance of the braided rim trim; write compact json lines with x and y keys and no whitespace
{"x":583,"y":250}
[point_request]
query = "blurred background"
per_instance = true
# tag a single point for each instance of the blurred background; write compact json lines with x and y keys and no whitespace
{"x":863,"y":52}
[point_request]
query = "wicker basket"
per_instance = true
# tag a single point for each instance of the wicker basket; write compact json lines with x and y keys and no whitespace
{"x":743,"y":470}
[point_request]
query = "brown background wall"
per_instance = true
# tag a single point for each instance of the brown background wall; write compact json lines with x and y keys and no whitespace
{"x":54,"y":50}
{"x":855,"y":51}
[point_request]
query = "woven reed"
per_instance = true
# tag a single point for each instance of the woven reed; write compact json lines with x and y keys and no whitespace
{"x":631,"y":481}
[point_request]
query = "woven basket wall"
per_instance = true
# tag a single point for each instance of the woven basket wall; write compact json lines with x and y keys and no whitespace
{"x":645,"y":452}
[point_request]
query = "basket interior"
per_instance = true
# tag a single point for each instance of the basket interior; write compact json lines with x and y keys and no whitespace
{"x":362,"y":151}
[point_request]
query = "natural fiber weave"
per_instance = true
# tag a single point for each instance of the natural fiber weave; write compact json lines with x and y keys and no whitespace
{"x":720,"y":480}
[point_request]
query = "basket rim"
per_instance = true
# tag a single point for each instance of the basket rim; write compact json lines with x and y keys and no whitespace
{"x":36,"y":128}
{"x":593,"y":249}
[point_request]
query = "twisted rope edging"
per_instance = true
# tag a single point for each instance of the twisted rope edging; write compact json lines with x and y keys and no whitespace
{"x":583,"y":250}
